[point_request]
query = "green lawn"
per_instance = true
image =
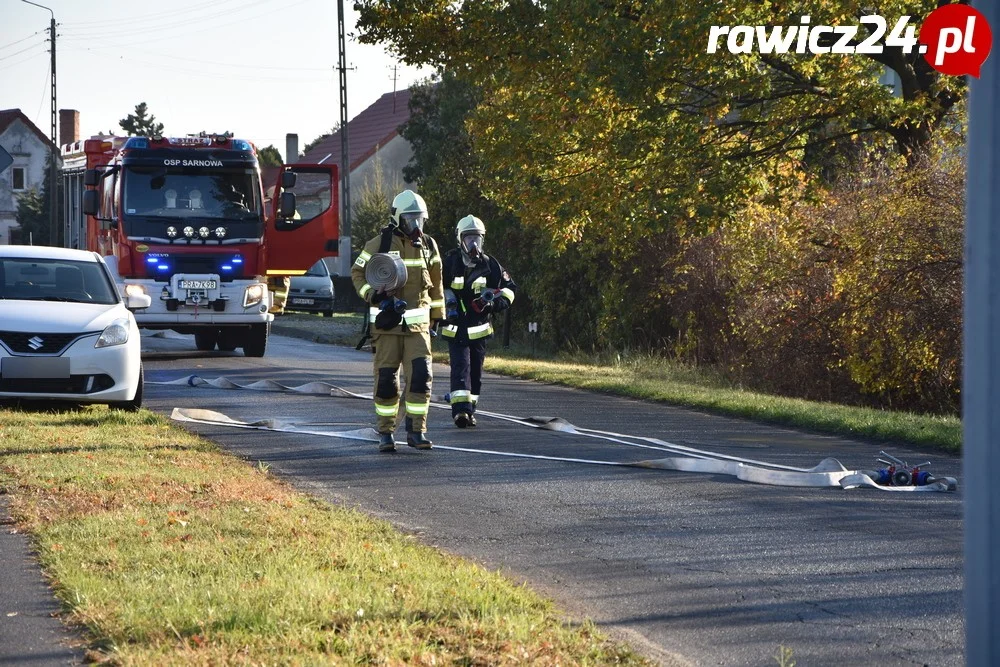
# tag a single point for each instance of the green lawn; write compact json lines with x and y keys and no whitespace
{"x":171,"y":552}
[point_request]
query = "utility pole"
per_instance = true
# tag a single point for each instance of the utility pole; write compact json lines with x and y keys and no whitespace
{"x":53,"y":167}
{"x":395,"y":69}
{"x":345,"y":160}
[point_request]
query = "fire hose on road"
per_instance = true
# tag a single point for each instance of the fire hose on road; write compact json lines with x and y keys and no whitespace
{"x":898,"y":476}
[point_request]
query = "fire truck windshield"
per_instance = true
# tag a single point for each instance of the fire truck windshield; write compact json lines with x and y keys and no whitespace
{"x":155,"y":196}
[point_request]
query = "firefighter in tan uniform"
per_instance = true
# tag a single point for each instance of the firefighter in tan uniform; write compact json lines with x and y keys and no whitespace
{"x":401,"y":332}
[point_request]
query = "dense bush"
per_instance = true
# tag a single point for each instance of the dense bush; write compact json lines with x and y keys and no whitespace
{"x":855,"y":298}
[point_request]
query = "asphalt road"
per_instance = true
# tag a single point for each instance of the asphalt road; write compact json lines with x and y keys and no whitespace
{"x":688,"y":568}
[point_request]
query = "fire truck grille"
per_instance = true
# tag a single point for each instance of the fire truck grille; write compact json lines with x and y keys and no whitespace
{"x":207,"y":264}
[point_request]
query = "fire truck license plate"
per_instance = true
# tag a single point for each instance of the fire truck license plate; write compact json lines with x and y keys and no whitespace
{"x":199,"y":284}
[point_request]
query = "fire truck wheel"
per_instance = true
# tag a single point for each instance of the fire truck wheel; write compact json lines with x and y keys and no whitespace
{"x":229,"y":338}
{"x":255,"y":343}
{"x":206,"y":339}
{"x":136,"y":402}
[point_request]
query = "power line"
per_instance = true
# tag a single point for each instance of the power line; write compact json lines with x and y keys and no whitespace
{"x":42,"y":101}
{"x":165,"y":27}
{"x":240,"y":65}
{"x":193,"y":72}
{"x":23,"y":60}
{"x":37,"y":32}
{"x":27,"y":48}
{"x":146,"y":18}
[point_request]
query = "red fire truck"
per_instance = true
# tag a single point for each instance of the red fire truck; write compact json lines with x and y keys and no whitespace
{"x":185,"y":220}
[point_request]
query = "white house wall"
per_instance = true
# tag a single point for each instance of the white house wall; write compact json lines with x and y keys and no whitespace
{"x":28,"y":152}
{"x":391,"y":158}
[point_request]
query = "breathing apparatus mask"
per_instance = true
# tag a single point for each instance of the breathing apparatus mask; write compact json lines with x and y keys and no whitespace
{"x":409,"y":213}
{"x":472,"y":245}
{"x":412,"y":225}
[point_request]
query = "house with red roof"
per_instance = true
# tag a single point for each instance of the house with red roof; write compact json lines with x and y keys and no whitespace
{"x":30,"y":149}
{"x":374,"y":143}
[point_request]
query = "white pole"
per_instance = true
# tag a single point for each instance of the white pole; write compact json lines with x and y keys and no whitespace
{"x":981,"y":380}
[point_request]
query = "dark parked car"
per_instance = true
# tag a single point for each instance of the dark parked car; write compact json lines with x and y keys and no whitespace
{"x":313,"y":291}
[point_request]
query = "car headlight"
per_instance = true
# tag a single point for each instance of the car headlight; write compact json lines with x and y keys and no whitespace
{"x":324,"y":291}
{"x":254,"y":294}
{"x":115,"y":333}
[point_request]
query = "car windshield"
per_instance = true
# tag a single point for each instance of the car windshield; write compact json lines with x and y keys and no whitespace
{"x":35,"y":279}
{"x":318,"y":269}
{"x":185,"y":192}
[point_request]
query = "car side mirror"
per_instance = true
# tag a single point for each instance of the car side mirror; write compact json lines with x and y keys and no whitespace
{"x":287,"y":205}
{"x":91,"y":177}
{"x":287,"y":179}
{"x":91,"y":202}
{"x":138,"y":301}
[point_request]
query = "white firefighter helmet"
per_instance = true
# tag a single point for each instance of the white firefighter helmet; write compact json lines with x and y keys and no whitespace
{"x":409,"y":212}
{"x":471,"y":233}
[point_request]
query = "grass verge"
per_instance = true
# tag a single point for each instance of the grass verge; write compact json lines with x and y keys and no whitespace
{"x":660,"y":380}
{"x":171,"y":552}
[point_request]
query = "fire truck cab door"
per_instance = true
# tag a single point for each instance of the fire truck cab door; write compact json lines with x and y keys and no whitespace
{"x":293,"y":244}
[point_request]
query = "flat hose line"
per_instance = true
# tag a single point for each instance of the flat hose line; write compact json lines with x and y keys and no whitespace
{"x":828,"y":473}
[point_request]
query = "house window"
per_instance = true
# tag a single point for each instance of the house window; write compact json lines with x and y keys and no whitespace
{"x":17,"y":178}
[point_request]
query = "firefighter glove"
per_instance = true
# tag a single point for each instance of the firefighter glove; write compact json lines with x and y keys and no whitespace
{"x":485,"y":302}
{"x":500,"y":304}
{"x":391,"y":314}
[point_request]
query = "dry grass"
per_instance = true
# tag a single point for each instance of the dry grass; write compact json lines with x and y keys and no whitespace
{"x":170,"y":552}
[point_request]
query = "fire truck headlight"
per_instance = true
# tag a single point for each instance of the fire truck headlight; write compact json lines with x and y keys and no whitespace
{"x":220,"y":232}
{"x":172,"y":231}
{"x":189,"y":231}
{"x":203,"y":232}
{"x":254,"y":294}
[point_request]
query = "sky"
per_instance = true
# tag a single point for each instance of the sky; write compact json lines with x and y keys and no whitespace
{"x":256,"y":68}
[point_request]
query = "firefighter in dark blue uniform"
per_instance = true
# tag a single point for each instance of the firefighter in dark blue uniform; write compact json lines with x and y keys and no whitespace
{"x":475,"y":287}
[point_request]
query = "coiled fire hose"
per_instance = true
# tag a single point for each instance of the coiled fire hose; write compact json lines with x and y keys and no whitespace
{"x":385,"y":272}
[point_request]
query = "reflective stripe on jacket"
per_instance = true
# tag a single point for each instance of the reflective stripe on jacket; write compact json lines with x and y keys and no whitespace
{"x":465,"y":284}
{"x":423,"y":291}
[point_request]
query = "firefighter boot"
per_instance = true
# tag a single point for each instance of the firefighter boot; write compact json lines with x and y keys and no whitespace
{"x":418,"y":441}
{"x":472,"y":420}
{"x":462,"y":419}
{"x":386,"y":443}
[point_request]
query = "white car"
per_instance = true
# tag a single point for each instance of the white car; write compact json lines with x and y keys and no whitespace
{"x":65,"y":333}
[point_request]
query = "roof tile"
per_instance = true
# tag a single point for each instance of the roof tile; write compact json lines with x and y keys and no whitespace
{"x":373,"y":127}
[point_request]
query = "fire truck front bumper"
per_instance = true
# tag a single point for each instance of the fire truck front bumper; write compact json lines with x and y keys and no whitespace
{"x":202,"y":299}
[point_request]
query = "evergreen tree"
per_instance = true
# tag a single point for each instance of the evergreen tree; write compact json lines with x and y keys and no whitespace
{"x":269,"y":157}
{"x":316,"y":142}
{"x":371,"y":211}
{"x":139,"y":124}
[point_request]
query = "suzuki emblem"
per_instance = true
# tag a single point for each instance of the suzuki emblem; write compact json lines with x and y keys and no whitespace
{"x":35,"y":342}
